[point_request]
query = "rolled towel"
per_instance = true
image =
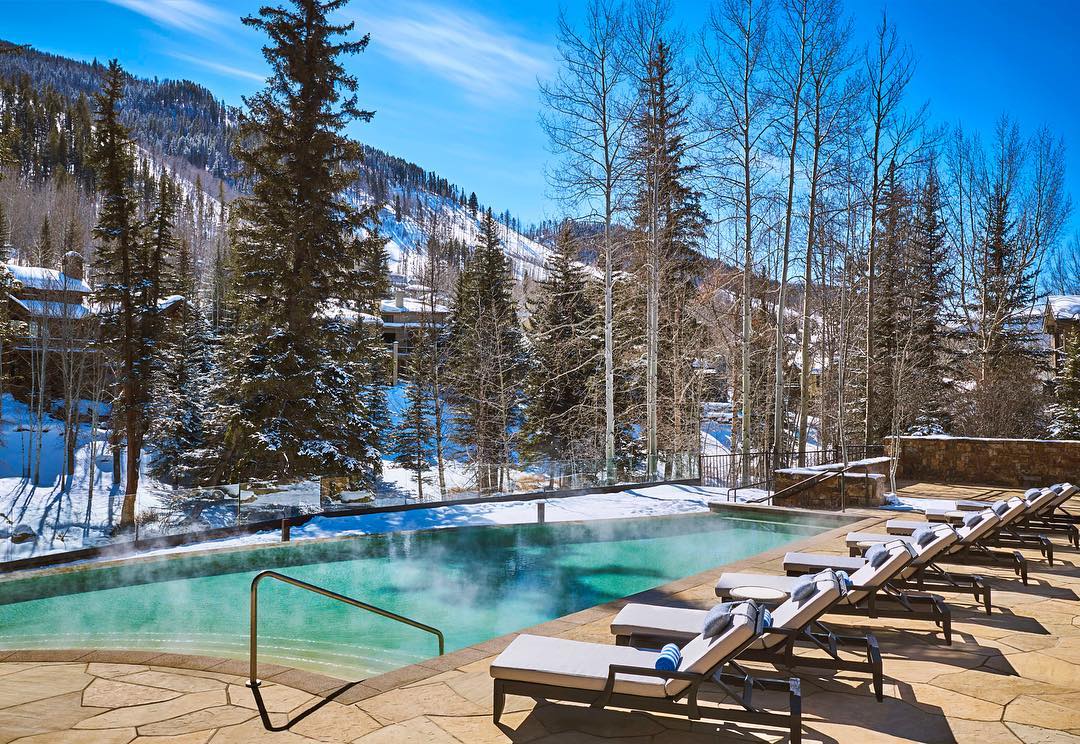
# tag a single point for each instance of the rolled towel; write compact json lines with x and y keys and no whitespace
{"x":669,"y":659}
{"x":923,"y":536}
{"x":876,"y":556}
{"x":717,"y":619}
{"x":766,"y":618}
{"x":1032,"y":493}
{"x":1057,"y":487}
{"x":1000,"y":507}
{"x":845,"y":581}
{"x":973,"y":519}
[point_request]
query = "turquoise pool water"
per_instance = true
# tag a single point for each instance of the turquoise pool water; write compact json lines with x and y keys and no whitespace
{"x":473,"y":583}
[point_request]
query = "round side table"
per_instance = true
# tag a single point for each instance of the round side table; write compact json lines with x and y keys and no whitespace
{"x":761,"y":594}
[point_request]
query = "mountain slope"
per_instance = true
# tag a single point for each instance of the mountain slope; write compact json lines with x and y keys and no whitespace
{"x":180,"y":125}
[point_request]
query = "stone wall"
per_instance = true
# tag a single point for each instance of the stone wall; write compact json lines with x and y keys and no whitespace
{"x":1000,"y":462}
{"x":865,"y":489}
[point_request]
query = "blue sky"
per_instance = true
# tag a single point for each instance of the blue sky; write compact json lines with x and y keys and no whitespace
{"x":453,"y":82}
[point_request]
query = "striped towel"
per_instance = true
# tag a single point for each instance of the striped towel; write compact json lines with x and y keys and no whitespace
{"x":669,"y":658}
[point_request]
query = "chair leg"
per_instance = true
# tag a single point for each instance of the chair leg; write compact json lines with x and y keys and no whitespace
{"x":795,"y":710}
{"x":1021,"y":567}
{"x":873,"y":652}
{"x":946,"y":619}
{"x":499,"y":701}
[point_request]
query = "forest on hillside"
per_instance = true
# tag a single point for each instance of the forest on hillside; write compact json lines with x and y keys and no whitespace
{"x":758,"y":220}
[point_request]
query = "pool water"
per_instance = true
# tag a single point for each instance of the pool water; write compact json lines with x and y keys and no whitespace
{"x":473,"y":583}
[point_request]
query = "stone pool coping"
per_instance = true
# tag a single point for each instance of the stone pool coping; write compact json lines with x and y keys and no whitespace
{"x":317,"y":683}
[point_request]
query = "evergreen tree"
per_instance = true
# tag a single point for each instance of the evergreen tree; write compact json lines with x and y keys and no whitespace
{"x":669,"y":222}
{"x":117,"y":233}
{"x":179,"y":385}
{"x":565,"y":332}
{"x":929,"y":293}
{"x":893,"y":307}
{"x":1065,"y":413}
{"x":412,"y":438}
{"x":45,"y":253}
{"x":298,"y":258}
{"x":474,"y":205}
{"x":487,"y":361}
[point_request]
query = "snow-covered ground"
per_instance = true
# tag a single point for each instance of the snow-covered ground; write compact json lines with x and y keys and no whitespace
{"x":651,"y":501}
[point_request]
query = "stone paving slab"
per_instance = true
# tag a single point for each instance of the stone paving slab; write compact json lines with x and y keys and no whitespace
{"x":1011,"y":677}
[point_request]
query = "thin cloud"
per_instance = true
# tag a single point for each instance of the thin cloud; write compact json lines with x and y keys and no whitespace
{"x":236,"y":72}
{"x":187,"y":15}
{"x":468,"y":49}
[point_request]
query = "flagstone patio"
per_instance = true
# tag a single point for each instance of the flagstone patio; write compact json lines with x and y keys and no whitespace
{"x":1010,"y":677}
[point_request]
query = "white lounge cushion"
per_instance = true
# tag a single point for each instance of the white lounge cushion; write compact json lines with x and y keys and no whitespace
{"x":576,"y":664}
{"x":677,"y":623}
{"x":808,"y":562}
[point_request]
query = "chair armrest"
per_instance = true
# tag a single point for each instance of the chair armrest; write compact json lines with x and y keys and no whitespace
{"x":614,"y":669}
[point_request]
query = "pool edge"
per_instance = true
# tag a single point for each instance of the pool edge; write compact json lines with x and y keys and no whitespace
{"x":317,"y":683}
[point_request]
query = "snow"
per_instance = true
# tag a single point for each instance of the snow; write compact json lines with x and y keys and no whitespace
{"x":36,"y":277}
{"x":633,"y":503}
{"x":1064,"y":307}
{"x":60,"y":310}
{"x":407,"y":239}
{"x":409,"y":305}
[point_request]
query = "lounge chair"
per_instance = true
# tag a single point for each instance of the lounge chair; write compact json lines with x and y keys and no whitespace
{"x":931,"y":576}
{"x":1009,"y":532}
{"x":1046,"y":514}
{"x":624,"y":677}
{"x":795,"y":622}
{"x":891,"y":593}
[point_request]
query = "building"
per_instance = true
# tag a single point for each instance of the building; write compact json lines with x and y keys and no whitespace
{"x":52,"y":313}
{"x":50,"y":306}
{"x":1061,"y":318}
{"x":404,"y":316}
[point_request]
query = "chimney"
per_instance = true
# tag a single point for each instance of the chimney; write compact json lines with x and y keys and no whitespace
{"x":399,"y":297}
{"x":72,"y":265}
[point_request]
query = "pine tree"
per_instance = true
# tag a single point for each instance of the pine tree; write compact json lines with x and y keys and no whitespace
{"x":45,"y":250}
{"x":411,"y":440}
{"x":929,"y":293}
{"x":565,"y":337}
{"x":669,"y":222}
{"x":297,"y":255}
{"x":1065,"y":413}
{"x":892,"y":314}
{"x":487,"y":361}
{"x":474,"y":205}
{"x":117,"y":232}
{"x":179,"y":386}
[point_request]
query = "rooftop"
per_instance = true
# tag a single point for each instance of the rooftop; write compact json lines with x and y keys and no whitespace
{"x":36,"y":277}
{"x":1008,"y":677}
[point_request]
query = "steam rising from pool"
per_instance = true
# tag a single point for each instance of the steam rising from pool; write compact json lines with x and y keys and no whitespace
{"x":473,"y":583}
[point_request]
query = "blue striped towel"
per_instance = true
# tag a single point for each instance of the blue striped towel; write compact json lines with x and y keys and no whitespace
{"x":669,"y":658}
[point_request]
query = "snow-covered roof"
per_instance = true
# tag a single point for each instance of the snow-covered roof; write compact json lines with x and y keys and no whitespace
{"x":336,"y":311}
{"x":409,"y":305}
{"x":58,"y":310}
{"x":166,"y":303}
{"x":36,"y":277}
{"x":1063,"y":307}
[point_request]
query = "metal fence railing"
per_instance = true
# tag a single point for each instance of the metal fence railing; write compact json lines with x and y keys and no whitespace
{"x":734,"y":470}
{"x":249,"y":504}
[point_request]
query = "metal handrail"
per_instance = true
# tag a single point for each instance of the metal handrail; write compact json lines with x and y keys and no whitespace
{"x":253,"y":668}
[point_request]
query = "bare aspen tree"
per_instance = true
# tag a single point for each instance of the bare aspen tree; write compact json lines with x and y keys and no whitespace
{"x":889,"y":68}
{"x":798,"y":36}
{"x":830,"y":95}
{"x":586,"y":119}
{"x":731,"y":73}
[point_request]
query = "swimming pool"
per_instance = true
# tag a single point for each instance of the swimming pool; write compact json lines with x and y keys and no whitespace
{"x":473,"y":583}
